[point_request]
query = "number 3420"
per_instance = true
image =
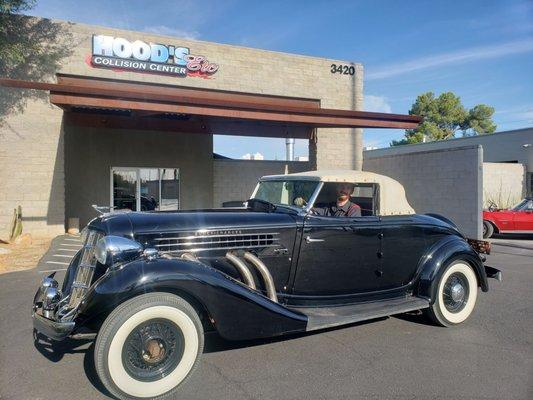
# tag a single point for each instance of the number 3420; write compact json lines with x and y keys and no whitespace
{"x":342,"y":69}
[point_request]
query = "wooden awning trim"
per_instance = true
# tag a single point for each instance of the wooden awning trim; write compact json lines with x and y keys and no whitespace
{"x":113,"y":94}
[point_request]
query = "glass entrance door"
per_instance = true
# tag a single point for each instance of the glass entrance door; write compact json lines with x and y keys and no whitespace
{"x":145,"y":189}
{"x":124,"y":190}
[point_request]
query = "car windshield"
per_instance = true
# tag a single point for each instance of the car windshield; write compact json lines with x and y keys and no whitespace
{"x":520,"y":205}
{"x":289,"y":193}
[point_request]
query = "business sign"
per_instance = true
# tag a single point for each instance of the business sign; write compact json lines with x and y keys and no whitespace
{"x":121,"y":54}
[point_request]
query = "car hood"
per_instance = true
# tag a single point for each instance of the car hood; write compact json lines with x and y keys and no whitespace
{"x":499,"y":213}
{"x":131,"y":224}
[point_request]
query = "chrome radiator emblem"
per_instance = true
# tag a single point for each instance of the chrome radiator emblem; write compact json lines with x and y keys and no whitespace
{"x":218,"y":232}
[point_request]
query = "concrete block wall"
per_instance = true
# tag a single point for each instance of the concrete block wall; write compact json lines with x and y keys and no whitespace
{"x":447,"y":182}
{"x":32,"y":171}
{"x":236,"y":179}
{"x":504,"y":184}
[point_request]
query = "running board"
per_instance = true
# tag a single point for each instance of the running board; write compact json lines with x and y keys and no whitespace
{"x":326,"y":317}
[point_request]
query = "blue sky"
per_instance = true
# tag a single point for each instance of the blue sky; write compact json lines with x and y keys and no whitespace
{"x":481,"y":50}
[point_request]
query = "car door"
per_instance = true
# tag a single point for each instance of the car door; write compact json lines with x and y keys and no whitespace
{"x":523,"y":219}
{"x":404,"y":242}
{"x":338,"y":256}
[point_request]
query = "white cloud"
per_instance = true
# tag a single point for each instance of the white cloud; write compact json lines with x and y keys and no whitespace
{"x":521,"y":114}
{"x":376,"y":104}
{"x":168,"y":31}
{"x":454,"y":57}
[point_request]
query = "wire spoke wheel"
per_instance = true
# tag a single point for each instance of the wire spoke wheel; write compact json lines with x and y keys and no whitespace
{"x":152,"y":350}
{"x":455,"y":295}
{"x":456,"y":292}
{"x":148,"y":346}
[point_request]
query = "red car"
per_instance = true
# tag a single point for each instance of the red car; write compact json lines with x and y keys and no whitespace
{"x":518,"y":219}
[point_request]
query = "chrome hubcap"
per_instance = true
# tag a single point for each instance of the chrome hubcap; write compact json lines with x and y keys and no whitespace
{"x":154,"y":351}
{"x":456,"y":292}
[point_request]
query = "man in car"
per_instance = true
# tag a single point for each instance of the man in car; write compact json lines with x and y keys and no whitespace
{"x":343,"y":207}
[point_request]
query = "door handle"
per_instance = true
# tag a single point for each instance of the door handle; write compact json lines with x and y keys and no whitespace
{"x":309,"y":239}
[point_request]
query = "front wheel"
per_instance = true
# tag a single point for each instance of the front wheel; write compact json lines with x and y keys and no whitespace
{"x":148,"y":346}
{"x":456,"y":295}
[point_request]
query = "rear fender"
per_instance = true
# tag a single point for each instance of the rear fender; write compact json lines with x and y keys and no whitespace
{"x":439,"y":257}
{"x":236,"y":311}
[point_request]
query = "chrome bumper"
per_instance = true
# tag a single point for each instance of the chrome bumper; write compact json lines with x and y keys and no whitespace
{"x":42,"y":314}
{"x":52,"y":329}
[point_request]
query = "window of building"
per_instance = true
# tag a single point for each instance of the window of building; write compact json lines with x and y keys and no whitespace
{"x":145,"y":189}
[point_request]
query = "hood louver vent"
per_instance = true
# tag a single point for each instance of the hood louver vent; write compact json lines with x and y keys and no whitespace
{"x":197,"y":243}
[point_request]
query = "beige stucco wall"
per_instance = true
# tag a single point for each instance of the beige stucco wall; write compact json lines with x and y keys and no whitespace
{"x":91,"y":153}
{"x":234,"y":180}
{"x":503,"y":184}
{"x":446,"y":182}
{"x":32,"y":157}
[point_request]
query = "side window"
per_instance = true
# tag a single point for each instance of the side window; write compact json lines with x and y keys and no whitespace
{"x":365,"y":195}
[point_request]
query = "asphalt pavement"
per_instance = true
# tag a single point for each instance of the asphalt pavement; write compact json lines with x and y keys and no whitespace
{"x":403,"y":357}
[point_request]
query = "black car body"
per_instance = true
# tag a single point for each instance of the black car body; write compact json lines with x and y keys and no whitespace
{"x":271,"y":268}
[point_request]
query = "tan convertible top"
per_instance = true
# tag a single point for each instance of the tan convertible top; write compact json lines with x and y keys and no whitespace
{"x":392,"y":198}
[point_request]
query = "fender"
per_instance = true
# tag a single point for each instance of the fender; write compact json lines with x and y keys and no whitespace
{"x":439,"y":256}
{"x":494,"y":224}
{"x":446,"y":220}
{"x":236,"y":311}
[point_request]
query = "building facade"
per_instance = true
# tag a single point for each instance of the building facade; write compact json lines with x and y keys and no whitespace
{"x":55,"y":166}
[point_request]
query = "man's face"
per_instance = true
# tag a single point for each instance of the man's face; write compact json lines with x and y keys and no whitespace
{"x":344,"y":190}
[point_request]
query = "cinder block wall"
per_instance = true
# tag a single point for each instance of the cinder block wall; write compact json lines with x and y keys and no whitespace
{"x":447,"y":182}
{"x":32,"y":172}
{"x":503,"y":183}
{"x":236,"y":179}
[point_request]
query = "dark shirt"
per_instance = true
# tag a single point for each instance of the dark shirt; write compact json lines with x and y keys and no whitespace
{"x":332,"y":210}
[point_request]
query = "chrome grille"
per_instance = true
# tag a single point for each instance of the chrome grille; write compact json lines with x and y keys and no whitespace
{"x":196,"y":243}
{"x":85,"y":270}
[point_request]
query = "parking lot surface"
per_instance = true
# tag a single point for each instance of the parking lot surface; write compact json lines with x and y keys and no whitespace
{"x":403,"y":357}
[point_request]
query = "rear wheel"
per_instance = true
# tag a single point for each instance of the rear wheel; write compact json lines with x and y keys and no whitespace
{"x":148,"y":346}
{"x":488,"y":229}
{"x":456,"y":295}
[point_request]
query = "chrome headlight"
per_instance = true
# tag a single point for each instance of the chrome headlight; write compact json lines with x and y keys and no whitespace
{"x":111,"y":250}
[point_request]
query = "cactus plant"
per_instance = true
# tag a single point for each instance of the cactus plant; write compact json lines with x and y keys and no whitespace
{"x":16,"y":227}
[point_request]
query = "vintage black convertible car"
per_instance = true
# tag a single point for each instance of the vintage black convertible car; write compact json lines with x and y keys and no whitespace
{"x":149,"y":285}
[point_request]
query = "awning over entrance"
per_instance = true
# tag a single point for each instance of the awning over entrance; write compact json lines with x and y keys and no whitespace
{"x":123,"y":104}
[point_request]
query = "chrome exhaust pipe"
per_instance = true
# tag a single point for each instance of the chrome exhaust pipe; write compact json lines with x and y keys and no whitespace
{"x":265,"y":274}
{"x":242,"y":268}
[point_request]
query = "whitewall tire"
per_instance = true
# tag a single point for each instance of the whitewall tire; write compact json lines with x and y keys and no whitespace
{"x":456,"y":295}
{"x":148,"y":346}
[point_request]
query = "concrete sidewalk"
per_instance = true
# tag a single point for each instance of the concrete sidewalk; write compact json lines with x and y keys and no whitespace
{"x":513,"y":244}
